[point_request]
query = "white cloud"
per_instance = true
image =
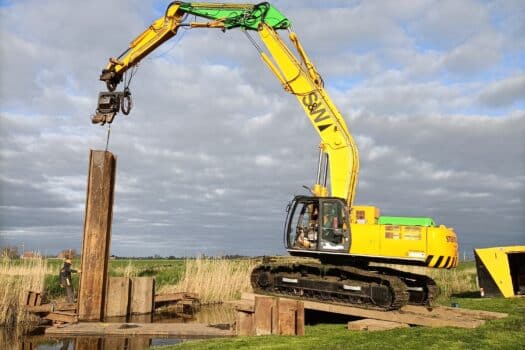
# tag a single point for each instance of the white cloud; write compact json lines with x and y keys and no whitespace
{"x":431,"y":90}
{"x":504,"y":92}
{"x":475,"y":55}
{"x":264,"y":161}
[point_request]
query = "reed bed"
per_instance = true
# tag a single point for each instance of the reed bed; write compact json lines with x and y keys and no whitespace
{"x":129,"y":270}
{"x":215,"y":280}
{"x":450,"y":282}
{"x":455,"y":282}
{"x":16,"y":278}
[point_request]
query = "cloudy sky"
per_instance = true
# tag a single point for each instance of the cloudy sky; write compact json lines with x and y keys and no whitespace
{"x":214,"y":149}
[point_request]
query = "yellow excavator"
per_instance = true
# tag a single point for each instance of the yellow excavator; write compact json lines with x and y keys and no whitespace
{"x":326,"y":225}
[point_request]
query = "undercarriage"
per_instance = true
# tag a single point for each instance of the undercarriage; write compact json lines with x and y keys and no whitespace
{"x":373,"y":287}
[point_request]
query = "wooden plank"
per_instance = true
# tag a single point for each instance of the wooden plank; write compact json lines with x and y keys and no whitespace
{"x":174,"y":297}
{"x":94,"y":329}
{"x":142,"y":318}
{"x":456,"y":312}
{"x":394,"y":316}
{"x":117,"y":300}
{"x":33,"y":298}
{"x":244,"y":325}
{"x":25,"y":345}
{"x":45,"y":308}
{"x":62,"y":316}
{"x":244,"y":305}
{"x":97,"y":235}
{"x":265,"y":315}
{"x":372,"y":325}
{"x":287,"y":310}
{"x":299,"y":321}
{"x":142,"y":293}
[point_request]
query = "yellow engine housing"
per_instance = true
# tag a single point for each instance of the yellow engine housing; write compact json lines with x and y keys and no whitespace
{"x":432,"y":246}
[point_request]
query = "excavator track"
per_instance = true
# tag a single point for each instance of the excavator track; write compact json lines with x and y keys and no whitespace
{"x":344,"y":285}
{"x":422,"y":289}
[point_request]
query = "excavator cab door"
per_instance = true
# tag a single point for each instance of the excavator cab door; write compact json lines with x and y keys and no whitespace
{"x":334,"y":227}
{"x":317,"y":224}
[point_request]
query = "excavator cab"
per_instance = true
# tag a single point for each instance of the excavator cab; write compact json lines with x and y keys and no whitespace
{"x":317,"y":224}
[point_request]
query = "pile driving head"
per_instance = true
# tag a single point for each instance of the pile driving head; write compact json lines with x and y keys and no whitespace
{"x":109,"y":104}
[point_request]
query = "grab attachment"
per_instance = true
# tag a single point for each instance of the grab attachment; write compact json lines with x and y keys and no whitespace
{"x":109,"y":104}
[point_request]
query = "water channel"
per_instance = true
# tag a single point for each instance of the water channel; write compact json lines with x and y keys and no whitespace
{"x":220,"y":315}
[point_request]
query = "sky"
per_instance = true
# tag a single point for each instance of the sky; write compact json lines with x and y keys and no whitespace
{"x":214,"y":149}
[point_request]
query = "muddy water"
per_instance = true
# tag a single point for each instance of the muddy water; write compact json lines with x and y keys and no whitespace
{"x":212,"y":314}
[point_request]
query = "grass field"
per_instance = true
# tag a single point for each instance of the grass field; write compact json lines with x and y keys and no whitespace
{"x":508,"y":333}
{"x":215,"y":280}
{"x":214,"y":275}
{"x":166,"y":272}
{"x":203,"y":275}
{"x":209,"y":276}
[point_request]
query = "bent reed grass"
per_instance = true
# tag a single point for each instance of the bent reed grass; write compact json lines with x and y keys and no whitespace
{"x":215,"y":279}
{"x":17,"y":277}
{"x":450,"y":282}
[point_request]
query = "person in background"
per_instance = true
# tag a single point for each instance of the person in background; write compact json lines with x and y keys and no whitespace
{"x":65,"y":280}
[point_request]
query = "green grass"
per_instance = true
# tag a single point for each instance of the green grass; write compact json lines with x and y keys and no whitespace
{"x":508,"y":333}
{"x":166,"y":272}
{"x":466,"y":265}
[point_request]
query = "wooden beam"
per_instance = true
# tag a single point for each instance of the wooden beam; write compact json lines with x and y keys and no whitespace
{"x":299,"y":320}
{"x":173,"y":297}
{"x":142,"y":294}
{"x":62,"y":316}
{"x":117,"y":301}
{"x":142,"y":318}
{"x":266,"y":315}
{"x":414,"y":315}
{"x":33,"y":298}
{"x":244,"y":324}
{"x":97,"y":235}
{"x":371,"y":325}
{"x":287,"y":316}
{"x":45,"y":308}
{"x":128,"y":329}
{"x":245,"y":306}
{"x":456,"y":312}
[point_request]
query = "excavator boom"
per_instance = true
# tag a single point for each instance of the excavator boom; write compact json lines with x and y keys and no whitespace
{"x":326,"y":225}
{"x":297,"y":75}
{"x":223,"y":16}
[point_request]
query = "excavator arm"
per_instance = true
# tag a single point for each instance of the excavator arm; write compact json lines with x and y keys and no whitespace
{"x":326,"y":225}
{"x":299,"y":77}
{"x":297,"y":74}
{"x":223,"y":16}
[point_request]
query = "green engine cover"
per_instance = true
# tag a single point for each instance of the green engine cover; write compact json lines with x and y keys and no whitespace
{"x":405,"y":221}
